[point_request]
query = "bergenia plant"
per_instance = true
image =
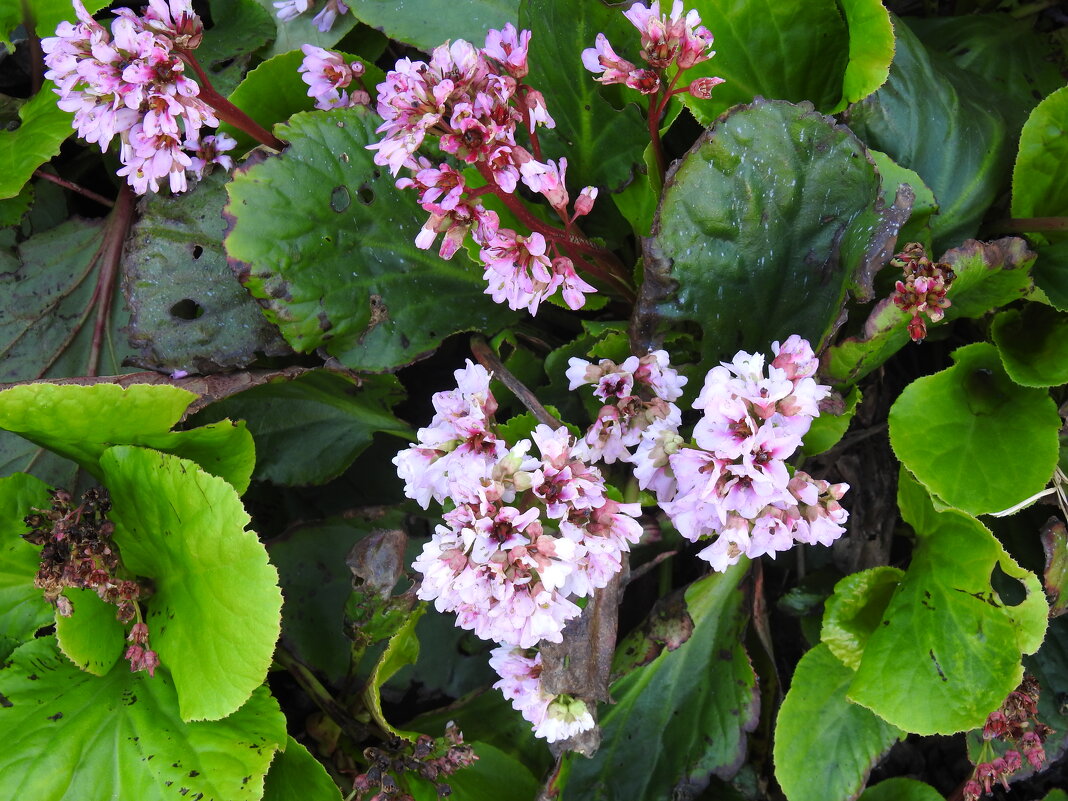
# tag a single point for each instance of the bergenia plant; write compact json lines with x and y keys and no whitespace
{"x":555,"y":400}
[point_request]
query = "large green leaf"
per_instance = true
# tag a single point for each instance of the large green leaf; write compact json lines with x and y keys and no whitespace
{"x":978,"y":441}
{"x":92,"y":638}
{"x":325,"y":240}
{"x":901,"y":789}
{"x":81,"y":422}
{"x":72,"y":736}
{"x":602,"y":144}
{"x":1019,"y":63}
{"x":429,"y":23}
{"x":215,"y":614}
{"x":989,"y":275}
{"x":856,"y":608}
{"x":1033,"y":345}
{"x":764,"y":49}
{"x":825,"y":745}
{"x":22,"y":608}
{"x":188,"y":312}
{"x":296,"y":775}
{"x":239,"y":27}
{"x":938,"y":120}
{"x":1040,"y":180}
{"x":947,"y":651}
{"x":683,"y":716}
{"x":308,"y":430}
{"x":753,"y":218}
{"x":43,"y":128}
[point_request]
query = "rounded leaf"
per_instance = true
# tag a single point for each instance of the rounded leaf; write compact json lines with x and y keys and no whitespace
{"x":854,"y":611}
{"x":974,"y":438}
{"x":1033,"y":345}
{"x":216,"y":611}
{"x":1039,"y":180}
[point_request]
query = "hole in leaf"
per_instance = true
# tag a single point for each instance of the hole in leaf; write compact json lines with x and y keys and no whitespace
{"x":340,"y":199}
{"x":187,"y":309}
{"x":198,"y":251}
{"x":1011,"y":590}
{"x":365,"y":194}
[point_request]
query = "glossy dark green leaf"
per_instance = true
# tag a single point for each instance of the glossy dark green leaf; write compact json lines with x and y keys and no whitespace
{"x":1019,"y":63}
{"x":856,"y":608}
{"x":937,"y":119}
{"x":947,"y":651}
{"x":1033,"y":345}
{"x":978,"y":441}
{"x":429,"y":23}
{"x":828,"y":429}
{"x":43,"y":127}
{"x":1050,"y":666}
{"x":989,"y":275}
{"x":763,"y":201}
{"x":239,"y":27}
{"x":1039,"y":180}
{"x":602,"y":144}
{"x":762,"y":50}
{"x":215,"y":613}
{"x":918,"y":227}
{"x":825,"y":745}
{"x":188,"y":312}
{"x":685,"y":715}
{"x":309,"y":429}
{"x":270,"y":94}
{"x":325,"y":240}
{"x":71,"y":736}
{"x":1051,"y":273}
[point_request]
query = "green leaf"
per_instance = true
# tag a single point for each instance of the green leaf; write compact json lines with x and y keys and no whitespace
{"x":403,"y":649}
{"x":825,"y":746}
{"x":1039,"y":179}
{"x":918,"y":227}
{"x":23,"y":609}
{"x":683,"y":716}
{"x":763,"y":201}
{"x":1033,"y":345}
{"x":1051,"y":274}
{"x":325,"y":240}
{"x":14,"y":209}
{"x":270,"y":94}
{"x":429,"y":23}
{"x":296,"y":775}
{"x":239,"y":27}
{"x":761,"y":50}
{"x":602,"y":144}
{"x":81,"y":422}
{"x":937,"y":119}
{"x":1018,"y":63}
{"x":855,"y":610}
{"x":309,"y":429}
{"x":188,"y":311}
{"x":494,"y":776}
{"x":92,"y":638}
{"x":828,"y":429}
{"x":974,"y":438}
{"x":303,"y":30}
{"x":215,"y":614}
{"x":1055,"y":576}
{"x":947,"y":651}
{"x":1050,"y":666}
{"x":44,"y":127}
{"x":901,"y":789}
{"x":69,"y":736}
{"x":1056,"y":795}
{"x":871,"y":49}
{"x":989,"y":275}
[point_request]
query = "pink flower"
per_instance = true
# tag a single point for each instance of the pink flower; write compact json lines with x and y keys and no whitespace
{"x":508,"y":48}
{"x":327,"y":74}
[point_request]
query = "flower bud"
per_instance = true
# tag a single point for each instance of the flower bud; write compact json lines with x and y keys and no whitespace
{"x":702,"y":87}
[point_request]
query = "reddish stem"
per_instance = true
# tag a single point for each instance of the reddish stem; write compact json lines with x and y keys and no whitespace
{"x":73,"y":187}
{"x":115,"y":237}
{"x":227,"y":111}
{"x":489,"y":359}
{"x":655,"y":112}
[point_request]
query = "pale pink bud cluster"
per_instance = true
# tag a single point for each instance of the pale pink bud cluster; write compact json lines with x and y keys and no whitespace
{"x":328,"y":75}
{"x":638,"y":395}
{"x":131,"y":83}
{"x":674,"y":40}
{"x":473,"y":101}
{"x":324,"y":20}
{"x":525,"y":535}
{"x":733,"y":484}
{"x":554,"y":717}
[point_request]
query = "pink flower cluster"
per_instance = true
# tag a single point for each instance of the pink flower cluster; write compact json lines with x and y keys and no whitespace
{"x":923,"y":288}
{"x":525,"y":535}
{"x":131,"y":83}
{"x":328,"y":75}
{"x":324,"y":20}
{"x":637,"y":396}
{"x":733,"y":483}
{"x":474,"y":102}
{"x":666,"y":40}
